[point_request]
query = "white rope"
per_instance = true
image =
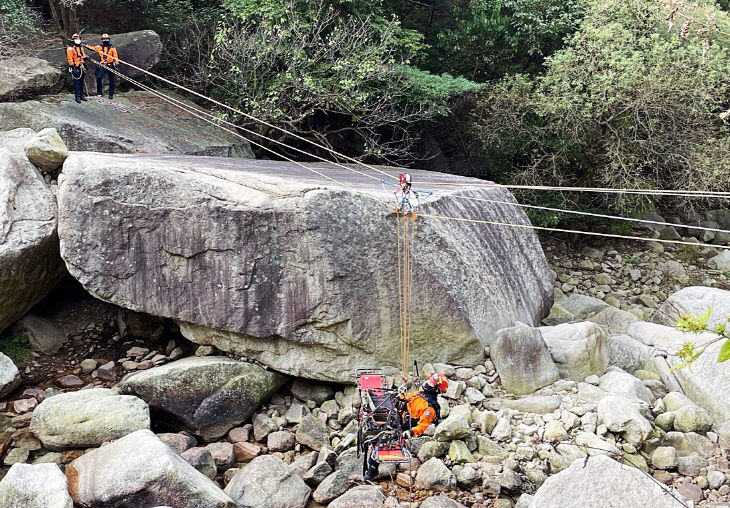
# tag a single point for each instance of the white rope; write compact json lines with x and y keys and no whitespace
{"x":590,"y":214}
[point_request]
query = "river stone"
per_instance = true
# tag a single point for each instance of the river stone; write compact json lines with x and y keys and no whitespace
{"x":664,"y":457}
{"x":44,"y":335}
{"x":439,"y":502}
{"x":141,"y":470}
{"x":30,"y":264}
{"x":46,"y":150}
{"x":692,"y":419}
{"x":612,"y":320}
{"x":362,"y":496}
{"x":630,"y":354}
{"x":522,"y":360}
{"x":22,"y":77}
{"x":578,"y":349}
{"x":431,"y":449}
{"x":434,"y":475}
{"x":209,"y":395}
{"x":228,"y":232}
{"x":598,"y":483}
{"x":87,"y":418}
{"x":41,"y":485}
{"x":312,"y":432}
{"x":9,"y":376}
{"x":687,"y":443}
{"x":619,"y":415}
{"x":540,"y":404}
{"x":453,"y":427}
{"x":331,"y":487}
{"x":202,"y":460}
{"x":626,"y":384}
{"x":306,"y":390}
{"x":720,"y":262}
{"x":695,"y":300}
{"x":268,"y":481}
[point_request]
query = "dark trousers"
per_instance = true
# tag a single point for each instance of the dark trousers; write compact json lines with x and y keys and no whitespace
{"x":100,"y":73}
{"x":78,"y":82}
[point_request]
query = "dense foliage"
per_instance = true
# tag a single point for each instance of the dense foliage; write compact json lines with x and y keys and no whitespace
{"x":638,"y":98}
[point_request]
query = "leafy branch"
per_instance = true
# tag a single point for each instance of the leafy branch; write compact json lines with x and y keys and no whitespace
{"x":698,"y":323}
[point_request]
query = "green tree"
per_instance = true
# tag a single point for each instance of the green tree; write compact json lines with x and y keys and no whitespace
{"x":638,"y":98}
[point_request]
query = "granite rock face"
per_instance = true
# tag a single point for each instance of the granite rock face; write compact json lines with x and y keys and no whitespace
{"x":30,"y":264}
{"x":270,"y":261}
{"x":141,"y":122}
{"x":26,"y":76}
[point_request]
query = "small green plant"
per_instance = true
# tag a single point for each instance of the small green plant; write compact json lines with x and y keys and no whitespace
{"x":17,"y":348}
{"x":697,"y":323}
{"x":631,"y":261}
{"x":726,"y":274}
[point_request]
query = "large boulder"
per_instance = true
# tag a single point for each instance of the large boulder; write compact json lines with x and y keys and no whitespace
{"x":247,"y":255}
{"x":141,"y":470}
{"x":208,"y":395}
{"x":41,"y":485}
{"x":87,"y":418}
{"x":522,"y":360}
{"x":30,"y":264}
{"x":707,"y":383}
{"x":601,"y":482}
{"x":578,"y":349}
{"x":362,"y":496}
{"x":142,"y":49}
{"x":9,"y":376}
{"x":695,"y":300}
{"x":620,"y":415}
{"x":268,"y":481}
{"x":140,"y":122}
{"x":44,"y":335}
{"x":22,"y":77}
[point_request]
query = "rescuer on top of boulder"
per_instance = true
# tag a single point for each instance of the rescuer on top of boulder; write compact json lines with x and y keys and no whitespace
{"x":108,"y":56}
{"x":76,"y":58}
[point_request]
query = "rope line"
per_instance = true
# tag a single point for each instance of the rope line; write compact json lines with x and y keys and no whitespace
{"x":685,"y":193}
{"x":195,"y":112}
{"x":573,"y":231}
{"x":591,"y":214}
{"x":201,"y":115}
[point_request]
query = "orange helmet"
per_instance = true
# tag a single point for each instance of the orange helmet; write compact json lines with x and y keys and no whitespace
{"x":439,"y":381}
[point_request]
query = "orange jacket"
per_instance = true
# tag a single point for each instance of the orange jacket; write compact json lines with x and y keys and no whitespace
{"x":107,"y":54}
{"x":419,"y":409}
{"x":75,"y":55}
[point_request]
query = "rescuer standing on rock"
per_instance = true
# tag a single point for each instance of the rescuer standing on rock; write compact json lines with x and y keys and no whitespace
{"x":76,"y":58}
{"x":108,"y":57}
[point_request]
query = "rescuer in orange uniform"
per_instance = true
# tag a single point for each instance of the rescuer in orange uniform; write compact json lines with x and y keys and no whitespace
{"x":76,"y":57}
{"x":422,"y":405}
{"x":107,"y":56}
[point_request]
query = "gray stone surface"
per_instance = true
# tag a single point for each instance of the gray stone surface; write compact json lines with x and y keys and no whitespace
{"x":630,"y":354}
{"x":720,"y":262}
{"x":626,"y":384}
{"x":600,"y":483}
{"x":362,"y":496}
{"x":43,"y":335}
{"x":9,"y":376}
{"x":22,"y":77}
{"x":151,"y":126}
{"x":41,"y":486}
{"x":260,"y":247}
{"x":30,"y":264}
{"x":268,"y":481}
{"x":46,"y":150}
{"x":578,"y":349}
{"x":434,"y":475}
{"x":210,"y":395}
{"x":522,"y":360}
{"x":87,"y":418}
{"x":141,"y":470}
{"x":202,"y":460}
{"x":618,"y":414}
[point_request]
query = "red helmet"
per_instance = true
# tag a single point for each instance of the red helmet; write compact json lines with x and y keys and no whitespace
{"x":439,"y":381}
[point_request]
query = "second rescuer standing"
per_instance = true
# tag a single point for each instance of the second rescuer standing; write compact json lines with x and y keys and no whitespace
{"x":76,"y":58}
{"x":108,"y":56}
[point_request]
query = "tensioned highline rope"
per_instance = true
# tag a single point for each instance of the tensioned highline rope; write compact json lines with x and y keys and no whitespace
{"x":195,"y":111}
{"x":346,"y":157}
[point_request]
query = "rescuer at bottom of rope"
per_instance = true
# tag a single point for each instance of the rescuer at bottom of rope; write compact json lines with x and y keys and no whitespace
{"x":76,"y":58}
{"x":107,"y":56}
{"x":422,"y":405}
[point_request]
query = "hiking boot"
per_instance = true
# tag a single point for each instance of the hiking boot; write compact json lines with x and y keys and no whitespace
{"x":78,"y":100}
{"x":84,"y":99}
{"x":111,"y":97}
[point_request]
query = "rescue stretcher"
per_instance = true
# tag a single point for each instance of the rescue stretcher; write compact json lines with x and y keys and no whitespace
{"x":380,"y":428}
